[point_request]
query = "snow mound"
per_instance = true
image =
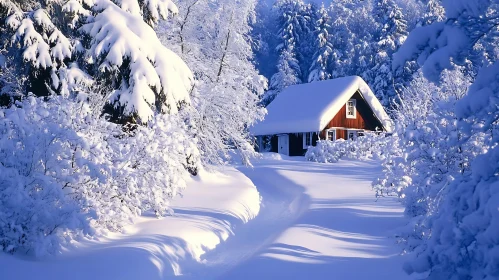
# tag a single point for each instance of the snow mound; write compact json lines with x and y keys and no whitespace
{"x":211,"y":207}
{"x":271,"y":156}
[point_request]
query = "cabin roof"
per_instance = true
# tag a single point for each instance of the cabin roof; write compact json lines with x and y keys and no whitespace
{"x":310,"y":107}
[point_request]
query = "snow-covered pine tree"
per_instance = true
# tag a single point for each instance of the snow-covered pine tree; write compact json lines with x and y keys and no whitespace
{"x":306,"y":43}
{"x":287,"y":75}
{"x":293,"y":23}
{"x":352,"y":28}
{"x":321,"y":61}
{"x":12,"y":84}
{"x":390,"y":35}
{"x":37,"y":47}
{"x":434,"y":12}
{"x":146,"y":76}
{"x":342,"y":37}
{"x":264,"y":39}
{"x":112,"y":42}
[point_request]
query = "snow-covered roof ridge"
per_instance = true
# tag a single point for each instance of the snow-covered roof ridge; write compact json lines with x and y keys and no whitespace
{"x":310,"y":107}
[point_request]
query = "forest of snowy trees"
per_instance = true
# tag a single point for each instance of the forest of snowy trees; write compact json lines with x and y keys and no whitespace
{"x":299,"y":42}
{"x":107,"y":106}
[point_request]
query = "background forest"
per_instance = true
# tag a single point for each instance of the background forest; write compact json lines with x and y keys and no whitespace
{"x":107,"y":106}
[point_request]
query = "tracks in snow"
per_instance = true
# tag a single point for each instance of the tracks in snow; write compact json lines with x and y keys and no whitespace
{"x":283,"y":202}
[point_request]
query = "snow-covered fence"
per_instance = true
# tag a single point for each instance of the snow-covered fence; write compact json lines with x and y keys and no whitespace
{"x":369,"y":146}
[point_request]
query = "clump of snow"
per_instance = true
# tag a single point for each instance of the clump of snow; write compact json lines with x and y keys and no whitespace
{"x":310,"y":107}
{"x":271,"y":156}
{"x":369,"y":146}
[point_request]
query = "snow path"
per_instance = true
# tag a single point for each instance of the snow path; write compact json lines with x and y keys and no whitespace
{"x":317,"y":221}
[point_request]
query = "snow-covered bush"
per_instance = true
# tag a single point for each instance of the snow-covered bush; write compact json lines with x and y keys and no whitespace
{"x":453,"y":158}
{"x":65,"y":172}
{"x":461,"y":224}
{"x":426,"y":135}
{"x":369,"y":146}
{"x":427,"y":153}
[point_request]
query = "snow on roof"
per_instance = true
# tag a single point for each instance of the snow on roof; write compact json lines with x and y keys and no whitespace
{"x":310,"y":107}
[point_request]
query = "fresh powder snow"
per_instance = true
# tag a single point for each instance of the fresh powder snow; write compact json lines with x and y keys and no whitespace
{"x":315,"y":221}
{"x":213,"y":207}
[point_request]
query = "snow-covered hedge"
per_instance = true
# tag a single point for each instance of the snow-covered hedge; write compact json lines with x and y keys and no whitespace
{"x":66,"y":173}
{"x":369,"y":146}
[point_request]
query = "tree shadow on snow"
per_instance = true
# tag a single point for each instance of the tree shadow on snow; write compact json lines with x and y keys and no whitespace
{"x":330,"y":239}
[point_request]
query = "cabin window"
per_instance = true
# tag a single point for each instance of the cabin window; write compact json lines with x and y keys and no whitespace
{"x":307,"y":140}
{"x":354,"y":134}
{"x":351,"y":135}
{"x":351,"y":109}
{"x":331,"y":135}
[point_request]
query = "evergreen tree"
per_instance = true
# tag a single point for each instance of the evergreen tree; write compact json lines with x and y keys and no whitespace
{"x":434,"y":12}
{"x":293,"y":24}
{"x":352,"y":28}
{"x":12,"y":72}
{"x":113,"y":44}
{"x":390,"y":35}
{"x":320,"y":63}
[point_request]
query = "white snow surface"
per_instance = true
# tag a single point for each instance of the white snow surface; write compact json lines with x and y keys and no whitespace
{"x":317,"y":221}
{"x":209,"y":211}
{"x":310,"y":107}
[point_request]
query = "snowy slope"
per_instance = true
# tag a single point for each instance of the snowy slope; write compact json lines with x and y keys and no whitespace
{"x":154,"y":249}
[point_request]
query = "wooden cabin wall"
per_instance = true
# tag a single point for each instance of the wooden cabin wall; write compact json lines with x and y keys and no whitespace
{"x":341,"y":134}
{"x":341,"y":120}
{"x":365,"y":119}
{"x":368,"y":116}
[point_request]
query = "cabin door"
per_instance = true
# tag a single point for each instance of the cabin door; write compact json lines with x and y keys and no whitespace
{"x":283,"y":144}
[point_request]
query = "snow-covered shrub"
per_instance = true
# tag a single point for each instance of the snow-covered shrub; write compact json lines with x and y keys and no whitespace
{"x":369,"y":146}
{"x":65,"y":172}
{"x":453,"y":160}
{"x":463,"y":228}
{"x":326,"y":151}
{"x":427,"y":153}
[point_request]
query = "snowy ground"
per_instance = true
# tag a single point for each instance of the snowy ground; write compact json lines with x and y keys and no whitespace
{"x":211,"y":209}
{"x":317,"y":221}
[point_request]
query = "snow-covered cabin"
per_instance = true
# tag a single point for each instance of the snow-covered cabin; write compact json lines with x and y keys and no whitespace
{"x":332,"y":109}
